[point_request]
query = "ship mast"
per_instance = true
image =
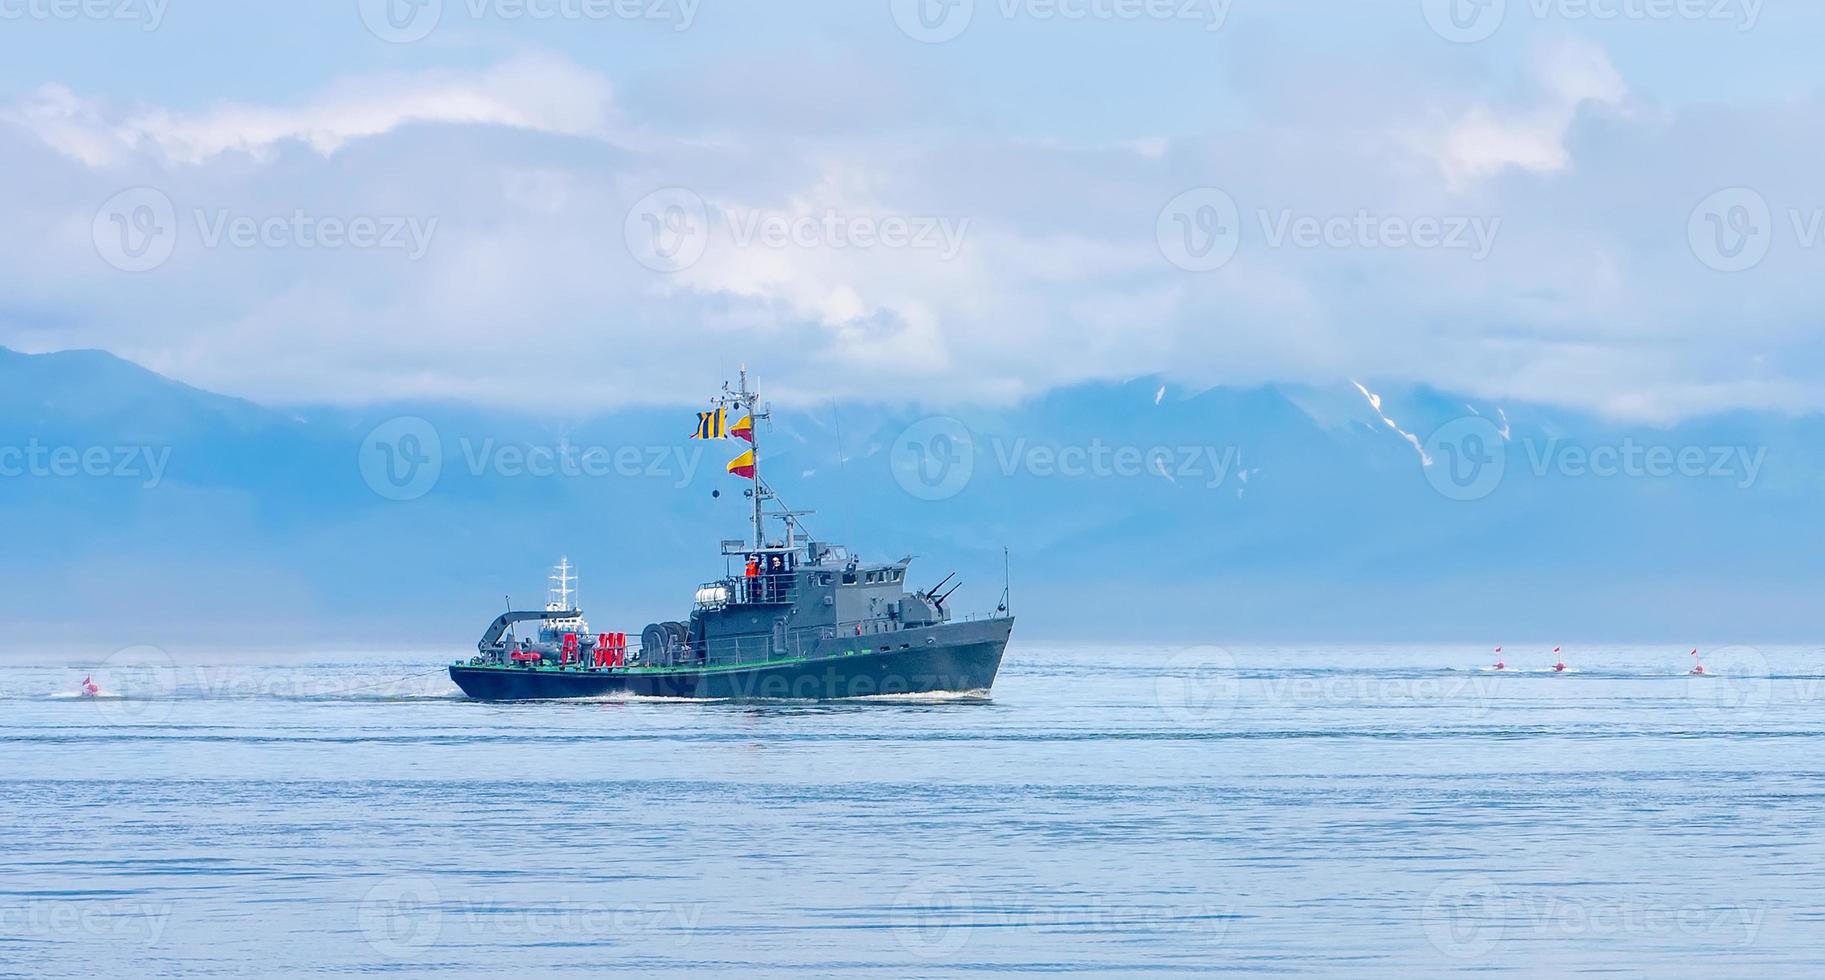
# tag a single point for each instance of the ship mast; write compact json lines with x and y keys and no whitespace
{"x":748,"y":403}
{"x":560,"y":594}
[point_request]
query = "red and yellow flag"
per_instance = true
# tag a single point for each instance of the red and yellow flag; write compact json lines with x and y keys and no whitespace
{"x":743,"y":429}
{"x":743,"y":465}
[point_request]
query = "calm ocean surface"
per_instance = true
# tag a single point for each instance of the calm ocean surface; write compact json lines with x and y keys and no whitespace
{"x":1353,"y":812}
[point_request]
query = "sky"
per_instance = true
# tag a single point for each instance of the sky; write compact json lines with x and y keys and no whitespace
{"x":1609,"y":205}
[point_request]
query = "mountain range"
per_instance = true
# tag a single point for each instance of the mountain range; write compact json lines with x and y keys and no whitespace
{"x":135,"y":509}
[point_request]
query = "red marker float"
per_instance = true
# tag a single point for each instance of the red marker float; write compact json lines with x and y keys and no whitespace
{"x":1500,"y":664}
{"x":89,"y":688}
{"x":1558,"y":668}
{"x":1698,"y":666}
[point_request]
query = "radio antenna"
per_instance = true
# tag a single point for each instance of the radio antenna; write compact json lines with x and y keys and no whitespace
{"x":1007,"y":579}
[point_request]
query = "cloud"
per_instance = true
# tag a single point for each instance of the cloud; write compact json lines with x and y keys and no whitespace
{"x":1044,"y":264}
{"x":532,"y":93}
{"x":1566,"y":76}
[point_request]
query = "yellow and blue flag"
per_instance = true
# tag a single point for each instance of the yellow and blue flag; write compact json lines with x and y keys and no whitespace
{"x":712,"y":425}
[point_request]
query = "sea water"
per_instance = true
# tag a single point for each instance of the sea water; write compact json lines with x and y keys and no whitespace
{"x":1362,"y":811}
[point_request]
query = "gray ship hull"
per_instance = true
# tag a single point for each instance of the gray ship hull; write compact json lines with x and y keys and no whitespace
{"x":950,"y":658}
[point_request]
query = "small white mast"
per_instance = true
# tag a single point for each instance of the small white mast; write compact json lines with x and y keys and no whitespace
{"x":562,"y":594}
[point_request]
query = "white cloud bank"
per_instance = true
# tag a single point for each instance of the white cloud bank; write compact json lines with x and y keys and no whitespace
{"x":538,"y":94}
{"x":1050,"y":261}
{"x":1567,"y":77}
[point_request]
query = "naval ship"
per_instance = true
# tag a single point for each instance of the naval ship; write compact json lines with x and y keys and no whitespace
{"x":793,"y":618}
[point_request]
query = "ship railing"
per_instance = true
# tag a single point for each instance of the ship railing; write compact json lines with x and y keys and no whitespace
{"x":767,"y":587}
{"x":724,"y":586}
{"x":800,"y":642}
